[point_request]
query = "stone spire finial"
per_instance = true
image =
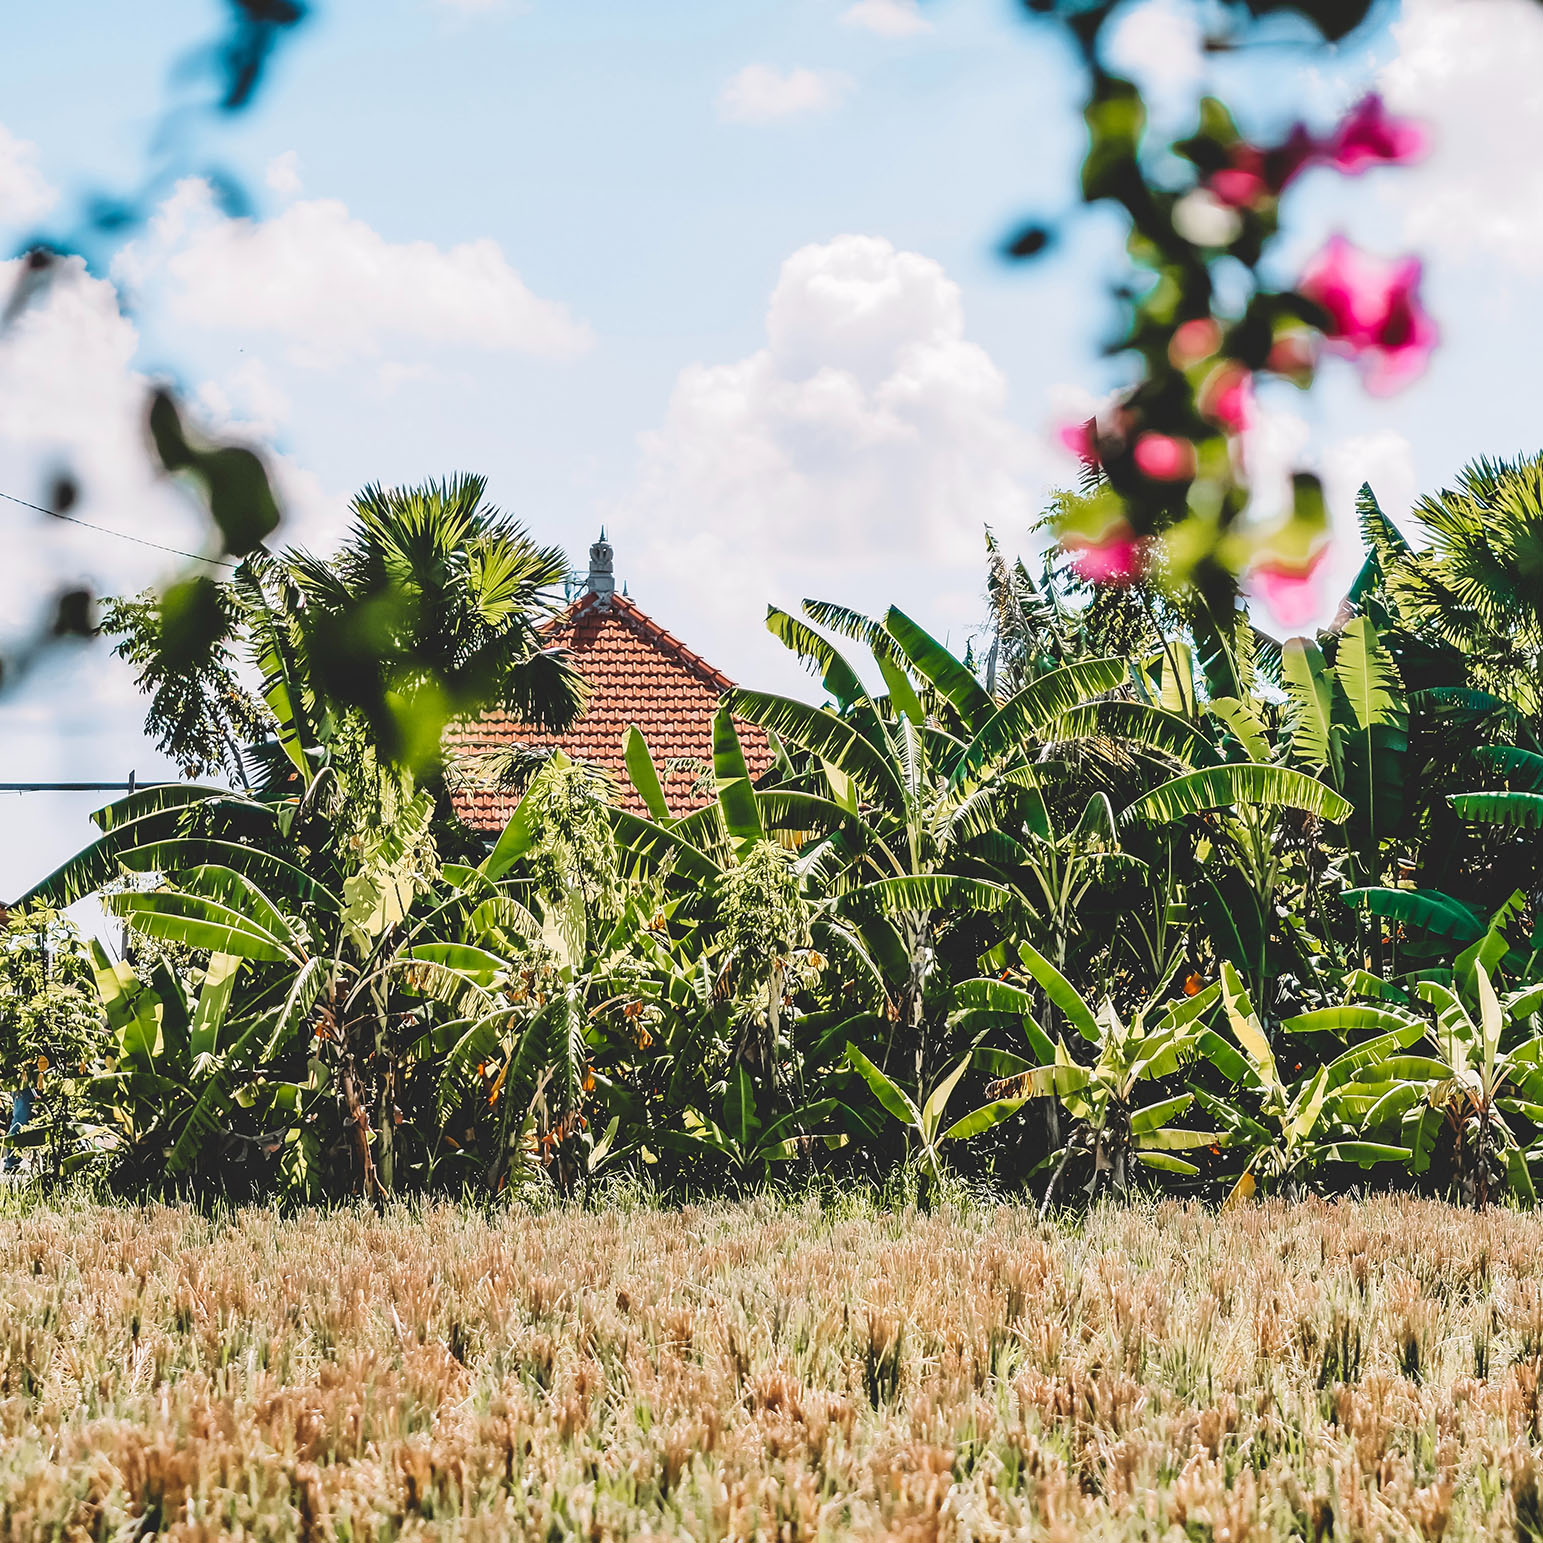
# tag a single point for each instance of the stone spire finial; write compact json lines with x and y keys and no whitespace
{"x":601,"y":582}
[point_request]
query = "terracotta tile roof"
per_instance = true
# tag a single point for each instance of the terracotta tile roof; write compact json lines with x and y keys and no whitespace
{"x":637,"y":674}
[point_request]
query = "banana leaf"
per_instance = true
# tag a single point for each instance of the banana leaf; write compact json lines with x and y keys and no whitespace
{"x":934,"y":663}
{"x":1426,"y":908}
{"x":836,"y":676}
{"x":1220,"y":787}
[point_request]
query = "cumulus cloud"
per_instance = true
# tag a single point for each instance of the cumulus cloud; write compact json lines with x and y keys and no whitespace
{"x":761,"y":93}
{"x":24,"y":192}
{"x":888,"y":18}
{"x":856,"y":455}
{"x":71,"y":400}
{"x":283,"y":174}
{"x":1473,"y":70}
{"x":247,"y":401}
{"x":335,"y":288}
{"x":1159,"y":44}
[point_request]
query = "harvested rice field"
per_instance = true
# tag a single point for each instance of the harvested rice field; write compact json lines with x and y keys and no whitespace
{"x":1366,"y":1369}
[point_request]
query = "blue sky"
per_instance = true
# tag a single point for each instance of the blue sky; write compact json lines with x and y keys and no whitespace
{"x":722,"y":276}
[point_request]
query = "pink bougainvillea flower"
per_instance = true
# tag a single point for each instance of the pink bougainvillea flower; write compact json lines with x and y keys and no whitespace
{"x":1253,"y":174}
{"x":1406,"y":339}
{"x":1291,"y":590}
{"x":1114,"y":560}
{"x":1078,"y":438}
{"x":1374,"y":312}
{"x":1293,"y":355}
{"x":1370,"y":136}
{"x":1193,"y":341}
{"x":1237,"y":186}
{"x":1164,"y":458}
{"x":1226,"y":397}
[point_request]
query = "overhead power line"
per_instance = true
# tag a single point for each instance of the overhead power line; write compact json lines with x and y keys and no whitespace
{"x":67,"y":787}
{"x":122,"y":535}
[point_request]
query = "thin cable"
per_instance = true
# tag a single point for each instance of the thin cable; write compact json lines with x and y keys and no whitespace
{"x":122,"y":535}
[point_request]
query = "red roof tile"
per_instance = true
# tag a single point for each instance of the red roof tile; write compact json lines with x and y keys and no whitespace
{"x":638,"y":674}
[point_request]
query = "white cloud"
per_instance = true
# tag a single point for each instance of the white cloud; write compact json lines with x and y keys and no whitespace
{"x":24,"y":191}
{"x":760,"y":93}
{"x":888,"y":18}
{"x":1473,"y":70}
{"x":247,"y":402}
{"x":335,"y":288}
{"x":856,"y":456}
{"x":283,"y":174}
{"x":72,"y":400}
{"x":1159,"y":45}
{"x":1385,"y":459}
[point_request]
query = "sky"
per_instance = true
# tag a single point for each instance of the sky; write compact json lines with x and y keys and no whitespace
{"x":720,"y":275}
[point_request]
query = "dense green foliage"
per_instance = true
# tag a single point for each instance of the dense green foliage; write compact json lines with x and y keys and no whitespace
{"x":1139,"y":902}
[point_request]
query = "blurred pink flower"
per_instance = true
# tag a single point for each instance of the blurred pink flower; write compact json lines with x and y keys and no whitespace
{"x":1164,"y":458}
{"x":1114,"y":560}
{"x":1293,"y":355}
{"x":1227,"y":397}
{"x":1374,"y":311}
{"x":1238,"y":186}
{"x":1369,"y":136}
{"x":1254,"y":174}
{"x":1292,"y":593}
{"x":1078,"y":438}
{"x":1193,"y":341}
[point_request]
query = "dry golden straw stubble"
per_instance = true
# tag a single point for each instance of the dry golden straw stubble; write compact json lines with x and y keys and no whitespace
{"x":1368,"y":1369}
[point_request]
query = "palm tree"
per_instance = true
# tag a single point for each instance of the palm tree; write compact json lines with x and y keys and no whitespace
{"x":432,"y":609}
{"x":1478,"y":586}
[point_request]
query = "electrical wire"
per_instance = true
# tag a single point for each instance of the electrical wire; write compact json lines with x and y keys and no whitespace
{"x":122,"y":535}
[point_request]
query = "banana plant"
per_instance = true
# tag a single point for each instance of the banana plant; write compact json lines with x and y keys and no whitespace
{"x":1099,"y":1093}
{"x":740,"y":1138}
{"x":1239,"y":808}
{"x":344,"y":963}
{"x":924,"y":1121}
{"x":550,"y":893}
{"x":1294,"y":1128}
{"x":741,"y":917}
{"x":1348,"y":723}
{"x":936,"y":777}
{"x":177,"y":1069}
{"x":1058,"y":864}
{"x":1466,"y":1081}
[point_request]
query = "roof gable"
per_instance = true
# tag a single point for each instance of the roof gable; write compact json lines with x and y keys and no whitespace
{"x":638,"y":674}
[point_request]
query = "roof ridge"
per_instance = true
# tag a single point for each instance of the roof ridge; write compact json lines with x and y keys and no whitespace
{"x":627,"y":608}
